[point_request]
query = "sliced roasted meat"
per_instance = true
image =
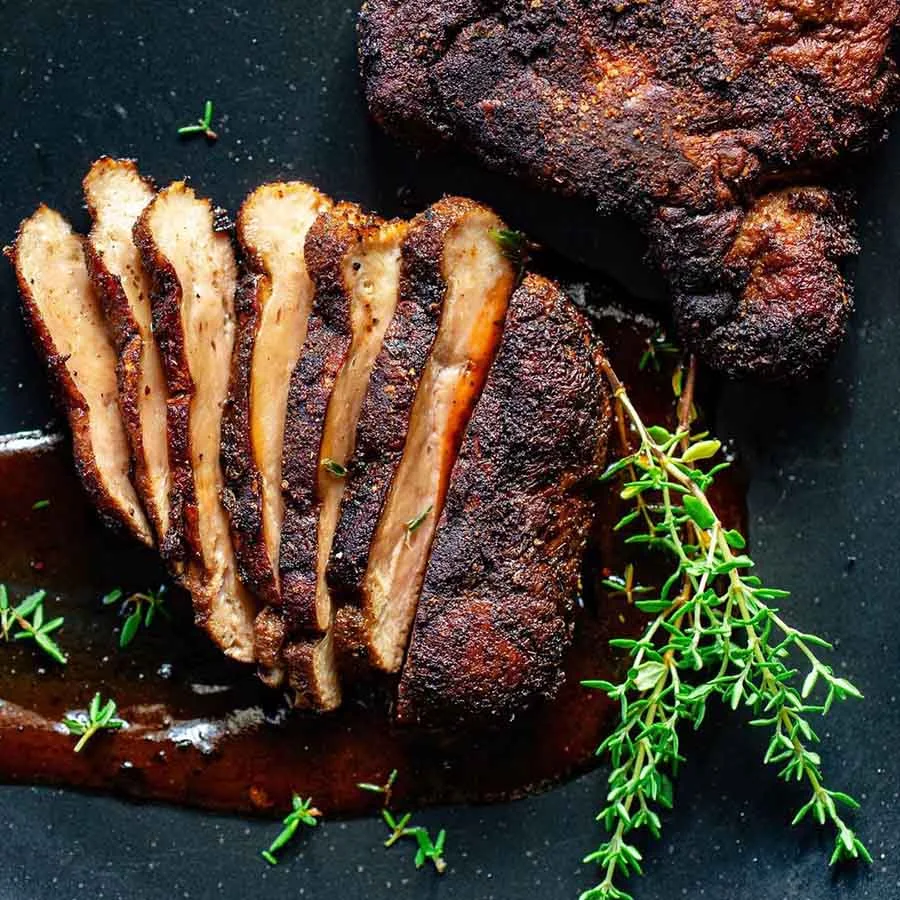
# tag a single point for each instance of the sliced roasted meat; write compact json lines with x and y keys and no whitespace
{"x":355,"y":263}
{"x":495,"y":614}
{"x":454,"y":268}
{"x":66,"y":320}
{"x":193,"y":272}
{"x":116,"y":195}
{"x":273,"y":303}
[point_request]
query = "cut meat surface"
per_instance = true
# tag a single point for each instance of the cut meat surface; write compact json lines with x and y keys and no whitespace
{"x":193,"y":274}
{"x":496,"y":610}
{"x":477,"y":280}
{"x":273,"y":303}
{"x":66,"y":321}
{"x":116,"y":195}
{"x":355,"y":262}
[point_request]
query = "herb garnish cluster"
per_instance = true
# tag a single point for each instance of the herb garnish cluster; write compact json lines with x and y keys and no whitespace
{"x":713,"y":631}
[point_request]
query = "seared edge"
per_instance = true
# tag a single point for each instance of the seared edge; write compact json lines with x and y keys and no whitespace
{"x":495,"y":615}
{"x":128,"y":340}
{"x":125,"y":512}
{"x":165,"y":302}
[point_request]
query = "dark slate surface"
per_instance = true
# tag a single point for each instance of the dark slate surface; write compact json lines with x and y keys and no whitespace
{"x":78,"y":79}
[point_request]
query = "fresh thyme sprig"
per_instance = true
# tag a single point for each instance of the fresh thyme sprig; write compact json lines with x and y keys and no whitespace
{"x":302,"y":813}
{"x":712,"y":633}
{"x":202,"y":126}
{"x":100,"y":717}
{"x":25,"y":621}
{"x":143,"y":608}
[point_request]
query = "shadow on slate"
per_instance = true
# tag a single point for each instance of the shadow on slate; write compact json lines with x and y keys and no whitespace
{"x":78,"y":80}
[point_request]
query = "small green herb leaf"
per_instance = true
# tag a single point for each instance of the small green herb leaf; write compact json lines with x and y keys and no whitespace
{"x":138,"y":608}
{"x":100,"y":716}
{"x":334,"y":468}
{"x":415,"y":522}
{"x":201,"y":126}
{"x":302,"y":813}
{"x":40,"y":504}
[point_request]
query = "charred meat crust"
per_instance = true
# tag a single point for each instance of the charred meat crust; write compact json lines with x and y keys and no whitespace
{"x":384,"y":420}
{"x":779,"y":299}
{"x":165,"y":300}
{"x":672,"y":110}
{"x":129,"y":345}
{"x":242,"y":493}
{"x":495,"y":614}
{"x":74,"y":405}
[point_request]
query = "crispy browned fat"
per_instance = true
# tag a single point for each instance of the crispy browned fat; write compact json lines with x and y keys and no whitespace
{"x":273,"y":303}
{"x":355,"y":263}
{"x":116,"y":195}
{"x":453,"y":260}
{"x":193,"y":273}
{"x":495,"y":615}
{"x":66,"y":321}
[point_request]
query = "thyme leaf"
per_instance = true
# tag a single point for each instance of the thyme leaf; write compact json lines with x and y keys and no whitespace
{"x":25,"y":622}
{"x":385,"y":789}
{"x":202,"y":126}
{"x":712,"y":631}
{"x":334,"y":468}
{"x":100,"y":716}
{"x":302,"y":813}
{"x":416,"y":521}
{"x":40,"y":504}
{"x":139,"y":608}
{"x":514,"y":246}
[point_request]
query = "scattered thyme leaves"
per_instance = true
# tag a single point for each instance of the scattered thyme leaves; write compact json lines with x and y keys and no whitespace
{"x":25,"y":622}
{"x":138,"y":608}
{"x":202,"y":126}
{"x":426,"y":848}
{"x":711,"y":633}
{"x":100,"y":717}
{"x":334,"y":468}
{"x":303,"y":813}
{"x":40,"y":504}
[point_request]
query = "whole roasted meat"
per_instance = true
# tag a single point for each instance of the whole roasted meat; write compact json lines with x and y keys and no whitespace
{"x":708,"y":121}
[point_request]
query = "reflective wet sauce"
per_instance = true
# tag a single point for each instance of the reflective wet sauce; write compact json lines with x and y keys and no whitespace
{"x":203,"y":731}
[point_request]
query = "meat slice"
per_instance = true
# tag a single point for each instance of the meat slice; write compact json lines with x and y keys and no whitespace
{"x":193,"y":272}
{"x":419,"y":402}
{"x":355,"y":263}
{"x":272,"y":304}
{"x":496,"y":609}
{"x":116,"y":195}
{"x":66,"y":321}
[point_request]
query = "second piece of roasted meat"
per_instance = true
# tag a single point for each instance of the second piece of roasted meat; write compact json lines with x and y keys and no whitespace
{"x":706,"y":120}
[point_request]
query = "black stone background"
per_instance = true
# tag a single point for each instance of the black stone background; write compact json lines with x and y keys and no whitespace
{"x":78,"y":79}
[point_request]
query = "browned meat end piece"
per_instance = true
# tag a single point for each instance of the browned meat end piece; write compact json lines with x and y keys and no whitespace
{"x":116,"y":195}
{"x":355,"y":263}
{"x":684,"y":113}
{"x":193,"y":273}
{"x":477,"y":279}
{"x":495,"y":616}
{"x":272,"y":304}
{"x":66,"y":321}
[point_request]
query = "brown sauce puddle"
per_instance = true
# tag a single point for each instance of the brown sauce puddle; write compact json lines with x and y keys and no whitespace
{"x":203,"y":732}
